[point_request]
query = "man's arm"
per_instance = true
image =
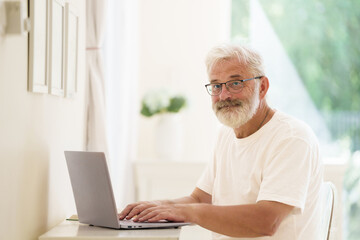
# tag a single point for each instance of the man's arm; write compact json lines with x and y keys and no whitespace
{"x":197,"y":196}
{"x":251,"y":220}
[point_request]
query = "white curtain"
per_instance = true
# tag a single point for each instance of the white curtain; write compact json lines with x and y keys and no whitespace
{"x":96,"y":118}
{"x":120,"y":56}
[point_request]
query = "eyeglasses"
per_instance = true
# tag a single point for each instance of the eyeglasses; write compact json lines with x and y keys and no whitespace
{"x":233,"y":86}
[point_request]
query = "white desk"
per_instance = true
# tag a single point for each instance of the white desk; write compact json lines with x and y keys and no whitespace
{"x":74,"y":230}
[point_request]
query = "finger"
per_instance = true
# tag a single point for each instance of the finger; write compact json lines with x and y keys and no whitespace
{"x":127,"y":210}
{"x":139,"y":209}
{"x":135,"y":211}
{"x":144,"y":213}
{"x":149,"y":215}
{"x":158,"y":217}
{"x":168,"y":216}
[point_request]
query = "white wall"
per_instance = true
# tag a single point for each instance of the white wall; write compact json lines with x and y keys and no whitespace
{"x":174,"y":39}
{"x":35,"y":129}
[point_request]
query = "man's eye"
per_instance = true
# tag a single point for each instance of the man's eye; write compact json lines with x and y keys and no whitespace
{"x":216,"y":86}
{"x":237,"y":83}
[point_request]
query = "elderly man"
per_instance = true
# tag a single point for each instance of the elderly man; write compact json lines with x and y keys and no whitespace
{"x":264,"y":180}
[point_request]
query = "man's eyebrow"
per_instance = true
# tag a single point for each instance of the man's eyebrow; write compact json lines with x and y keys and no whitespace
{"x":235,"y":76}
{"x":232,"y":76}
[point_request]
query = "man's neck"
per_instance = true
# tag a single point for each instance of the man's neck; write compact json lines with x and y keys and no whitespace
{"x":261,"y":117}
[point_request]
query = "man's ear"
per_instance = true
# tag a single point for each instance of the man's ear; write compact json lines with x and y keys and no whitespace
{"x":264,"y":86}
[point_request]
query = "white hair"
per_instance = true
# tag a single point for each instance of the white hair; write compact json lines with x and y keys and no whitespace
{"x":244,"y":54}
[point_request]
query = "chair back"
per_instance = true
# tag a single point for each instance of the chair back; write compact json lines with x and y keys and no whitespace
{"x":328,"y":194}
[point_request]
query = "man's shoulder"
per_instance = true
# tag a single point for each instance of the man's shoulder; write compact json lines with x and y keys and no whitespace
{"x":292,"y":127}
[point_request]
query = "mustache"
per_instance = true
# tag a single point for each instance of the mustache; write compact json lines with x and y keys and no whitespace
{"x":227,"y":103}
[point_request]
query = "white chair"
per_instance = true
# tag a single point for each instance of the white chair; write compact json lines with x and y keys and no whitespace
{"x":328,"y":192}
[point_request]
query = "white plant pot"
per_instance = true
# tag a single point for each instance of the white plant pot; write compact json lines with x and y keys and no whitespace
{"x":169,"y":137}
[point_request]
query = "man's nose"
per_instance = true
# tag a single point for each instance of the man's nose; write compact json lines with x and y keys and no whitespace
{"x":225,"y":94}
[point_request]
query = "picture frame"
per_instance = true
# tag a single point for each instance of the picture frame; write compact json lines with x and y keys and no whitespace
{"x":56,"y":40}
{"x":71,"y":49}
{"x":38,"y":51}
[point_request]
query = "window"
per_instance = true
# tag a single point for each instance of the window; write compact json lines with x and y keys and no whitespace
{"x":314,"y":46}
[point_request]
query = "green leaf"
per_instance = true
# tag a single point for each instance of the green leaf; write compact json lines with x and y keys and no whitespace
{"x":176,"y":103}
{"x":145,"y":111}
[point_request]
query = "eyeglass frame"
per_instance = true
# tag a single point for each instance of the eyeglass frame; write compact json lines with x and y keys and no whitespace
{"x":225,"y":83}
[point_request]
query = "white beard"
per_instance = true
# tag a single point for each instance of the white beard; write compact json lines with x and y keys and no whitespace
{"x":235,"y":113}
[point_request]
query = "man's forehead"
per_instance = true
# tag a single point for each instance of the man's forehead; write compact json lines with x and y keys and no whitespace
{"x":228,"y":68}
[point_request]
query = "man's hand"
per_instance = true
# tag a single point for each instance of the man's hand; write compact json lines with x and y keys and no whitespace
{"x":173,"y":213}
{"x":155,"y":211}
{"x":134,"y":209}
{"x":172,"y":206}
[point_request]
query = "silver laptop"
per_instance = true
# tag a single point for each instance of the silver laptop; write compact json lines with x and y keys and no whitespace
{"x":94,"y":196}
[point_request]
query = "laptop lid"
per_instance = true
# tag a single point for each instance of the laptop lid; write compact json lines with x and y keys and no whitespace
{"x":94,"y":198}
{"x":90,"y":181}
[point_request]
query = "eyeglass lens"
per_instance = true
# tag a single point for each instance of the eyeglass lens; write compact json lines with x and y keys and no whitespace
{"x":232,"y":86}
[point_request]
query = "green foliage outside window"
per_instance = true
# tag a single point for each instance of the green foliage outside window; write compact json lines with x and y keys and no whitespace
{"x":322,"y":39}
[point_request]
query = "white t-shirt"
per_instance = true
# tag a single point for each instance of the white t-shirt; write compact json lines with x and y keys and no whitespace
{"x":280,"y":162}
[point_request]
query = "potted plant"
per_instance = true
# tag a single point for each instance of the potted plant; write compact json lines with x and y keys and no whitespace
{"x":168,"y":136}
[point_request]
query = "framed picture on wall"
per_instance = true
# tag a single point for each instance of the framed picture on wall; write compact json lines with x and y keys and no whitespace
{"x":56,"y":49}
{"x":37,"y":71}
{"x":71,"y":49}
